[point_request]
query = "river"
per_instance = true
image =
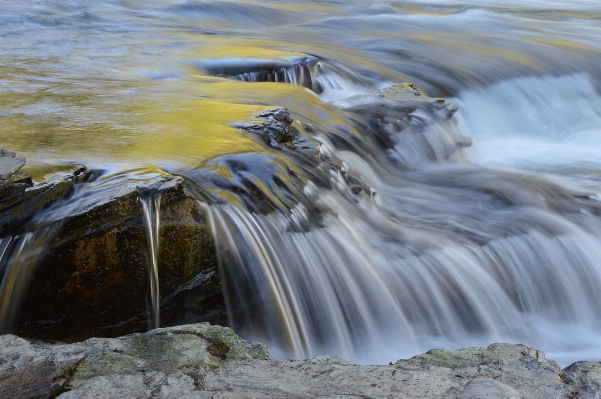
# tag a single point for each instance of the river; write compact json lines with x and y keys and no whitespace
{"x":498,"y":242}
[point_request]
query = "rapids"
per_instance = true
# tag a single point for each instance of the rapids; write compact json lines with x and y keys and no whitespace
{"x":445,"y":247}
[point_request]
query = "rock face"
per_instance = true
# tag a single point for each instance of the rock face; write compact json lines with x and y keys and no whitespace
{"x":84,"y":271}
{"x":204,"y":361}
{"x":95,"y":272}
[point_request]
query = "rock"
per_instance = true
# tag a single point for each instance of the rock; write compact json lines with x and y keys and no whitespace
{"x":273,"y":125}
{"x":583,"y":380}
{"x":27,"y":199}
{"x":204,"y":361}
{"x":400,"y":117}
{"x":403,"y":89}
{"x":163,"y":360}
{"x":28,"y":370}
{"x":9,"y":164}
{"x":488,"y":388}
{"x":523,"y":369}
{"x":92,"y":280}
{"x":299,"y":70}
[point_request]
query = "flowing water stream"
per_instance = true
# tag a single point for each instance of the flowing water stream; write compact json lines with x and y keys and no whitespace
{"x":151,"y":208}
{"x":407,"y":244}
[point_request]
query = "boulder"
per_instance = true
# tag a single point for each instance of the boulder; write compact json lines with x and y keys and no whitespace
{"x":204,"y":361}
{"x":28,"y":370}
{"x":132,"y":366}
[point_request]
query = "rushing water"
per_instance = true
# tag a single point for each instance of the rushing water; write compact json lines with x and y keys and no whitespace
{"x":450,"y":247}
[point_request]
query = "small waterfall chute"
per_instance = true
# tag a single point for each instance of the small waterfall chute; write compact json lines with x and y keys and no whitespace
{"x":151,"y":207}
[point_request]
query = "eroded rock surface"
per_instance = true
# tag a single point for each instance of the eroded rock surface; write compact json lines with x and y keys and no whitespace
{"x":134,"y":366}
{"x":204,"y":361}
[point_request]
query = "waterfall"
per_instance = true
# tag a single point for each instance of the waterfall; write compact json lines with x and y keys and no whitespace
{"x":447,"y":254}
{"x":19,"y":257}
{"x":303,"y":74}
{"x":151,"y":206}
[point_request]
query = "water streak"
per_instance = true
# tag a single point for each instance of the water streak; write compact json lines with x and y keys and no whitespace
{"x":151,"y":205}
{"x":19,"y":258}
{"x":344,"y":290}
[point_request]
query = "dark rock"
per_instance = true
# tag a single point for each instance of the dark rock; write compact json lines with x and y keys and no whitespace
{"x":23,"y":199}
{"x":400,"y":116}
{"x":300,"y":70}
{"x":273,"y":125}
{"x":94,"y":275}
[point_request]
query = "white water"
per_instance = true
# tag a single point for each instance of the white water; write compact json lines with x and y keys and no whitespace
{"x":448,"y":254}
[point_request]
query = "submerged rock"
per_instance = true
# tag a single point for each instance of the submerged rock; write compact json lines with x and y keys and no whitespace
{"x":204,"y":361}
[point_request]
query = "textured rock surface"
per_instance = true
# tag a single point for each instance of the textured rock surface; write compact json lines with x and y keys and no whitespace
{"x":204,"y":361}
{"x":273,"y":125}
{"x":132,"y":364}
{"x":35,"y":371}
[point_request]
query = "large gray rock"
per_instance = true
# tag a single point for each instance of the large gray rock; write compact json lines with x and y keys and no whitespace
{"x":36,"y":371}
{"x":583,"y":380}
{"x":204,"y":361}
{"x":9,"y":164}
{"x":133,"y":366}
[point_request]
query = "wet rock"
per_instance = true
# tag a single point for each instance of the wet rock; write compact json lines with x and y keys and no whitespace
{"x":93,"y":278}
{"x":299,"y":70}
{"x":401,"y":117}
{"x":26,"y":199}
{"x":273,"y":125}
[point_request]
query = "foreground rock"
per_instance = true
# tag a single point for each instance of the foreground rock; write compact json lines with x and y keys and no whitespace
{"x":141,"y":362}
{"x":204,"y":361}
